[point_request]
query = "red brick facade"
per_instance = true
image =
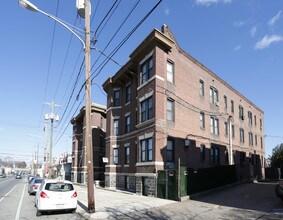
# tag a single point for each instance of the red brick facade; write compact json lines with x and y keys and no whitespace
{"x":165,"y":111}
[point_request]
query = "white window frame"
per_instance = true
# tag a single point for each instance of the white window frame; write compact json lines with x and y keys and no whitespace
{"x":170,"y":71}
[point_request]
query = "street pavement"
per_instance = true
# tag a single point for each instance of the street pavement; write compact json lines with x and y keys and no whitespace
{"x":110,"y":204}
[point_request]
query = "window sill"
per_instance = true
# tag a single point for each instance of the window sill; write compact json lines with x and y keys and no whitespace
{"x":117,"y":165}
{"x":150,"y":163}
{"x":145,"y":123}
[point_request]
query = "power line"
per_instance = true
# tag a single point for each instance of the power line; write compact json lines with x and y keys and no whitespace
{"x":95,"y":11}
{"x":64,"y":63}
{"x":58,"y":139}
{"x":97,"y":34}
{"x":119,"y":28}
{"x":70,"y":97}
{"x":103,"y":64}
{"x":106,"y":16}
{"x":123,"y":41}
{"x":49,"y":65}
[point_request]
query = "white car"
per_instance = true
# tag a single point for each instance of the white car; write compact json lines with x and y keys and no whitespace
{"x":34,"y":185}
{"x":54,"y":195}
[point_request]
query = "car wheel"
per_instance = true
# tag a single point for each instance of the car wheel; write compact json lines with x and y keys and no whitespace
{"x":38,"y":213}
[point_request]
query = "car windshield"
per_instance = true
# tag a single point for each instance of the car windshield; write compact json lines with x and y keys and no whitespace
{"x":59,"y":187}
{"x":38,"y":181}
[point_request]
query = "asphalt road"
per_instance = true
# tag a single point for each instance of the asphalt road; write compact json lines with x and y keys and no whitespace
{"x":244,"y":201}
{"x":16,"y":203}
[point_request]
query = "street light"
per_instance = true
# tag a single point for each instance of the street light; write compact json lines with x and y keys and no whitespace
{"x":28,"y":5}
{"x":86,"y":44}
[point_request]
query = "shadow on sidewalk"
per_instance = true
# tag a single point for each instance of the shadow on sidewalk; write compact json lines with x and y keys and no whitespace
{"x":83,"y":206}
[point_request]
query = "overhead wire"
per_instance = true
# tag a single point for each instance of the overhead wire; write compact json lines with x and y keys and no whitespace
{"x":72,"y":93}
{"x":109,"y":11}
{"x":48,"y":70}
{"x":64,"y":63}
{"x":77,"y":78}
{"x":63,"y":132}
{"x":101,"y":66}
{"x":118,"y":47}
{"x":119,"y":28}
{"x":109,"y":17}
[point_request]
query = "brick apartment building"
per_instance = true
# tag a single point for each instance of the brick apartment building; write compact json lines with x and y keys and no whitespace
{"x":98,"y":122}
{"x":163,"y":106}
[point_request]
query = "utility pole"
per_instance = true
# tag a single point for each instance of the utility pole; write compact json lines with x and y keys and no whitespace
{"x":45,"y":146}
{"x":51,"y":116}
{"x":88,"y":134}
{"x":83,"y":7}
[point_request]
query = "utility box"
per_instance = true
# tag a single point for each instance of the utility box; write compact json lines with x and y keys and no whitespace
{"x":80,"y":5}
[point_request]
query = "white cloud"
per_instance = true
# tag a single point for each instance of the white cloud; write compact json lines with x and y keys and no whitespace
{"x":267,"y":41}
{"x":210,"y":2}
{"x":253,"y":31}
{"x":239,"y":23}
{"x":273,"y":20}
{"x":166,"y":11}
{"x":238,"y":47}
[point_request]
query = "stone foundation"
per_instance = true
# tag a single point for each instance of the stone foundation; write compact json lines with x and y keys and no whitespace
{"x":141,"y":185}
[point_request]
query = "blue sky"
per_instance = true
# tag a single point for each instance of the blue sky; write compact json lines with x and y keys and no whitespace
{"x":239,"y":40}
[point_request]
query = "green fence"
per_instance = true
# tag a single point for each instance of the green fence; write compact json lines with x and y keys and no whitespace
{"x":167,"y":184}
{"x":193,"y":180}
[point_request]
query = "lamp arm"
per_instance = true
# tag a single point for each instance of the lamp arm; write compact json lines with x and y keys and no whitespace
{"x":63,"y":24}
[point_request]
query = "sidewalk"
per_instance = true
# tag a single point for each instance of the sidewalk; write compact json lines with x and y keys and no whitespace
{"x":111,"y":204}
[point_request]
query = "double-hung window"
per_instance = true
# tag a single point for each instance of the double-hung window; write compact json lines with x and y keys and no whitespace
{"x":250,"y":116}
{"x":213,"y":96}
{"x":214,"y":125}
{"x":242,"y":135}
{"x":241,"y":112}
{"x":128,"y":93}
{"x":201,"y":120}
{"x":116,"y":155}
{"x":251,"y":139}
{"x":170,"y":71}
{"x":146,"y":150}
{"x":232,"y":106}
{"x":201,"y":88}
{"x":225,"y":101}
{"x":128,"y":124}
{"x":214,"y":155}
{"x":170,"y":110}
{"x":127,"y":154}
{"x":226,"y":127}
{"x":170,"y":151}
{"x":117,"y":99}
{"x":146,"y":70}
{"x":116,"y":127}
{"x":146,"y":109}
